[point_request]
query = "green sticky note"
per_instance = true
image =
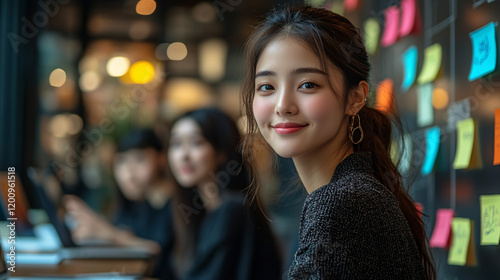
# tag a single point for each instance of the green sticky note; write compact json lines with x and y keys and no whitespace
{"x":490,"y":219}
{"x":465,"y":142}
{"x":371,"y":35}
{"x":461,"y":228}
{"x":425,"y":111}
{"x":432,"y":63}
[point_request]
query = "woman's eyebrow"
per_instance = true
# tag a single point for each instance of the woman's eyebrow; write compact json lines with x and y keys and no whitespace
{"x":265,"y":73}
{"x":309,"y":70}
{"x":293,"y":72}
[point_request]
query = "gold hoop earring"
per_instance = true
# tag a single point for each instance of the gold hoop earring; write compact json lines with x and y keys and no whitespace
{"x":353,"y":129}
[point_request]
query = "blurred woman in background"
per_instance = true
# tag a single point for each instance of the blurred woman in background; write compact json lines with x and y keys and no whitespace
{"x":144,"y":211}
{"x":216,"y":235}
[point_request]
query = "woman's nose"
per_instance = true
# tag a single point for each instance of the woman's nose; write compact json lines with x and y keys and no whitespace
{"x":286,"y":105}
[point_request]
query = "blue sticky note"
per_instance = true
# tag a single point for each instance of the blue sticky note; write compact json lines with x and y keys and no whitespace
{"x":432,"y":139}
{"x":484,"y":51}
{"x":410,"y":58}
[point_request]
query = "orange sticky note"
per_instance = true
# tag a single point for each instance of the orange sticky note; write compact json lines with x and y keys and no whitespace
{"x":385,"y":94}
{"x":441,"y":236}
{"x":351,"y":5}
{"x":391,"y":28}
{"x":496,"y":159}
{"x":410,"y":19}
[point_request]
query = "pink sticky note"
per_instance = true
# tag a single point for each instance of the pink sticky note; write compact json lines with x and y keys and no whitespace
{"x":391,"y":26}
{"x":410,"y":19}
{"x":441,"y":236}
{"x":350,"y":5}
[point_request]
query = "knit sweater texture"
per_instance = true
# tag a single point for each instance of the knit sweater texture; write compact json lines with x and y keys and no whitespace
{"x":353,"y":228}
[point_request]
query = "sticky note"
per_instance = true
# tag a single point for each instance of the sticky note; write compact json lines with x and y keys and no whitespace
{"x":441,"y":235}
{"x":385,"y":94}
{"x":391,"y":28}
{"x":371,"y":35}
{"x":420,"y":209}
{"x":338,"y":7}
{"x":465,"y":142}
{"x":490,"y":219}
{"x":484,"y":51}
{"x":405,"y":162}
{"x":394,"y":151}
{"x":410,"y":58}
{"x":425,"y":111}
{"x":410,"y":20}
{"x":496,"y":159}
{"x":432,"y":63}
{"x":462,"y":250}
{"x":432,"y":139}
{"x":351,"y":5}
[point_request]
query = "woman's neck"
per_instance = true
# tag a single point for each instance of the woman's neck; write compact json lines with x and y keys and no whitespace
{"x":315,"y":169}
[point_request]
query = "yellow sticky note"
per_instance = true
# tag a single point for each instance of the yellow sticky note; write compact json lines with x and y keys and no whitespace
{"x":462,"y":251}
{"x":465,"y":142}
{"x":432,"y":64}
{"x":490,"y":219}
{"x":371,"y":35}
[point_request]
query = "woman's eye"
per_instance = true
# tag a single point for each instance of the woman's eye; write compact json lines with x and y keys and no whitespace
{"x":265,"y":87}
{"x":309,"y":85}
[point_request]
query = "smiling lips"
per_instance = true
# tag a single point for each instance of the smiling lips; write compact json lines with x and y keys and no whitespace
{"x":288,"y":128}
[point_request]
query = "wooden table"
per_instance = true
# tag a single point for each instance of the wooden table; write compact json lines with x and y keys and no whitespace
{"x":80,"y":266}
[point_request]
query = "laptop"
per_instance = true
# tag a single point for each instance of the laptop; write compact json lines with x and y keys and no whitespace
{"x":71,"y":250}
{"x":5,"y":267}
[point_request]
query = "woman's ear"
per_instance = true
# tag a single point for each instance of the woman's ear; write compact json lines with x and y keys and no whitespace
{"x":357,"y":98}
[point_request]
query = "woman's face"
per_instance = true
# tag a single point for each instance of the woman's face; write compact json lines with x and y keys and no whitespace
{"x":296,"y":110}
{"x":192,"y":159}
{"x":136,"y":170}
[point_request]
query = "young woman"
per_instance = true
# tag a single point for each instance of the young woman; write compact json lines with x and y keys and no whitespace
{"x":305,"y":90}
{"x":143,"y":217}
{"x":217,"y":236}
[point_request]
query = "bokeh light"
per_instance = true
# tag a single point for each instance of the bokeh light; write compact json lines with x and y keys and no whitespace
{"x":145,"y":7}
{"x":57,"y":77}
{"x":439,"y":98}
{"x":90,"y":81}
{"x":139,"y":30}
{"x":142,"y":72}
{"x":177,"y":51}
{"x":117,"y":66}
{"x":204,"y":12}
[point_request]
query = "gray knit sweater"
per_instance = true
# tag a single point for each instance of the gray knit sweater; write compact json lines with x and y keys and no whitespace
{"x":353,"y":228}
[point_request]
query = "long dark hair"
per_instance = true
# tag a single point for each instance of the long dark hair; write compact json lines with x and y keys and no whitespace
{"x":336,"y":40}
{"x":232,"y":176}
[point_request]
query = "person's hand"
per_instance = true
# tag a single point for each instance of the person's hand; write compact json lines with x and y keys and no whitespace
{"x":91,"y":226}
{"x":88,"y":224}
